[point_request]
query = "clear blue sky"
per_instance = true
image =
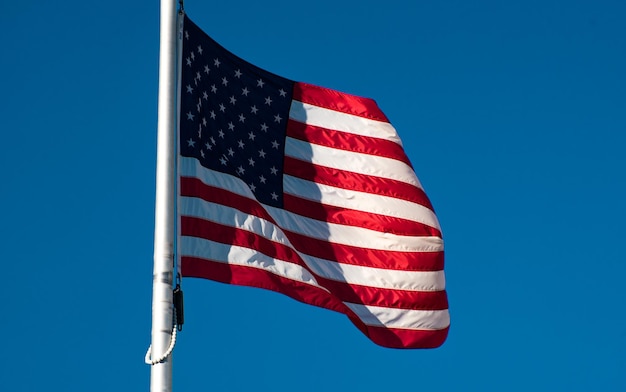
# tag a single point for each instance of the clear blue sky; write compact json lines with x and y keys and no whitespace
{"x":513,"y":114}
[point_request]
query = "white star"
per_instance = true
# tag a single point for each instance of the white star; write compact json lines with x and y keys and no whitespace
{"x":202,"y":153}
{"x":262,"y":154}
{"x":213,"y":89}
{"x":231,"y":152}
{"x":240,"y":143}
{"x":253,"y":109}
{"x":262,"y":179}
{"x":231,"y":126}
{"x":251,"y":161}
{"x":224,"y":81}
{"x":233,"y":100}
{"x":198,"y":76}
{"x":252,"y":187}
{"x":212,"y":139}
{"x":189,"y":89}
{"x":275,"y":144}
{"x":274,"y":196}
{"x":237,"y":73}
{"x":264,"y":127}
{"x":216,"y":62}
{"x":205,"y":96}
{"x":199,"y":49}
{"x":242,"y":118}
{"x":240,"y":170}
{"x":245,"y":91}
{"x":186,"y":34}
{"x":212,"y":114}
{"x":193,"y":56}
{"x":221,"y":134}
{"x":222,"y":107}
{"x":223,"y":159}
{"x":274,"y":170}
{"x":188,"y":61}
{"x":206,"y":69}
{"x":208,"y":146}
{"x":191,"y":143}
{"x":204,"y":121}
{"x":282,"y":92}
{"x":260,"y":83}
{"x":251,"y":135}
{"x":190,"y":116}
{"x":277,"y":118}
{"x":268,"y":101}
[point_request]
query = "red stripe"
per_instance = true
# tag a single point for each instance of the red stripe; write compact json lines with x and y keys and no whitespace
{"x":405,"y":338}
{"x":335,"y":100}
{"x":374,"y":258}
{"x":389,"y":298}
{"x":355,"y":181}
{"x":368,"y":220}
{"x":346,"y":141}
{"x":254,"y":277}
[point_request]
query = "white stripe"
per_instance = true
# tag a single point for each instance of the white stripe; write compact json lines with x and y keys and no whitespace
{"x":367,"y":164}
{"x":401,"y":318}
{"x":238,"y":255}
{"x":330,"y":119}
{"x":361,"y":201}
{"x":352,"y":274}
{"x":191,"y":167}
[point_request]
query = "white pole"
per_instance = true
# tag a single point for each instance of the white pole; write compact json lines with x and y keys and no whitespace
{"x":163,"y":273}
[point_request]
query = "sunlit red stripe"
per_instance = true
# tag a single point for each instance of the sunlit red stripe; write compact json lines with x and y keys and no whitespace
{"x":374,"y":258}
{"x":335,"y":100}
{"x":376,"y":296}
{"x":367,"y":220}
{"x":355,"y":181}
{"x":403,"y":338}
{"x":346,"y":141}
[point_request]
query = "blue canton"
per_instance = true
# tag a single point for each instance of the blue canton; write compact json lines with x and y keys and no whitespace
{"x":233,"y":115}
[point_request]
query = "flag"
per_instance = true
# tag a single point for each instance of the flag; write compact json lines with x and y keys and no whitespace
{"x":305,"y":191}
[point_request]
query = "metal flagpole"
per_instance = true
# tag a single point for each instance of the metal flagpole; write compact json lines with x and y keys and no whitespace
{"x":163,"y":272}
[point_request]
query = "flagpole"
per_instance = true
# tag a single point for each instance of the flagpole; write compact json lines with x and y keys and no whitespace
{"x":163,"y":272}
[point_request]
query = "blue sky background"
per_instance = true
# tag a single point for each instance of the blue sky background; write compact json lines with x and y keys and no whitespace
{"x":513,"y":114}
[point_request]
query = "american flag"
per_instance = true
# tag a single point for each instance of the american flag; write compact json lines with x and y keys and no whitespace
{"x":308,"y":192}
